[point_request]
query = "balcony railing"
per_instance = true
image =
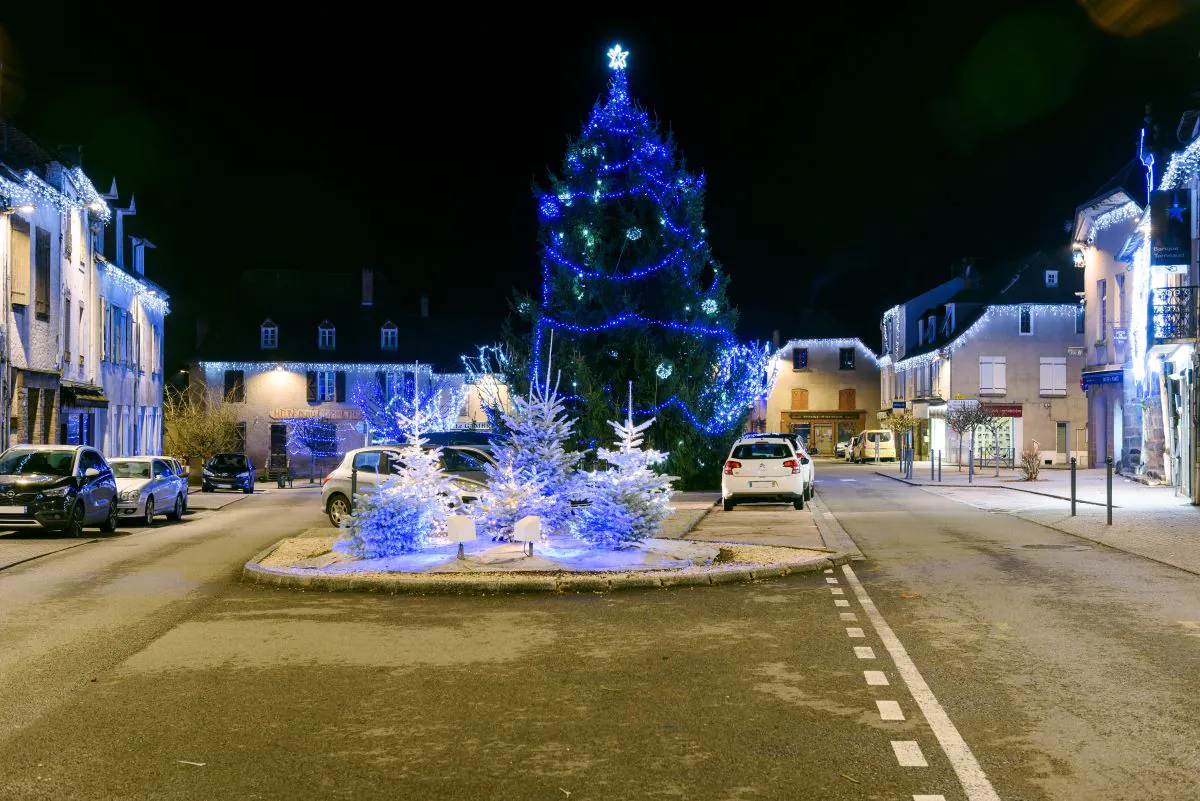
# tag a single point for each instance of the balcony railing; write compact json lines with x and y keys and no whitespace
{"x":1175,"y":313}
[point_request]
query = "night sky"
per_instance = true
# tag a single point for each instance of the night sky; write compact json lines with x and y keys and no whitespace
{"x":850,"y":160}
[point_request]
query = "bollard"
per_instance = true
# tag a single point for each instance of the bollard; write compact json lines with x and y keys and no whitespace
{"x":1109,"y":460}
{"x":1072,"y":486}
{"x":353,"y":486}
{"x":939,"y":467}
{"x":971,"y":466}
{"x":931,"y":476}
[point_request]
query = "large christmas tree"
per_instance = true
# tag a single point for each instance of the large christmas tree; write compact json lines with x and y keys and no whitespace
{"x":631,"y":292}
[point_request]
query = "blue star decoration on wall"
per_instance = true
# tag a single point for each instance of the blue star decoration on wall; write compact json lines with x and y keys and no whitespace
{"x":616,"y":58}
{"x":1175,"y":212}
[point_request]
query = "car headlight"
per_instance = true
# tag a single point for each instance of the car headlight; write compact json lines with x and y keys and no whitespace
{"x":130,"y":494}
{"x":207,"y":472}
{"x":57,"y":492}
{"x":244,"y":475}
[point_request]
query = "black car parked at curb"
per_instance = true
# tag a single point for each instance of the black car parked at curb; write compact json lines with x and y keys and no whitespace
{"x":228,"y":471}
{"x":61,"y":488}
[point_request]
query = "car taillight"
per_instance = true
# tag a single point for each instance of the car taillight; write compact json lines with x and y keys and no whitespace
{"x":327,"y":479}
{"x":730,"y":465}
{"x":794,"y":464}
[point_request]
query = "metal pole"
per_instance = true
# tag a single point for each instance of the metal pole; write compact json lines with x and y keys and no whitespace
{"x":353,"y":486}
{"x":1110,"y":466}
{"x":939,"y":466}
{"x":1072,"y":486}
{"x":931,"y":477}
{"x":971,"y":466}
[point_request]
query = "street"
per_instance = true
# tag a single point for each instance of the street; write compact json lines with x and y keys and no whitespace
{"x":138,"y":666}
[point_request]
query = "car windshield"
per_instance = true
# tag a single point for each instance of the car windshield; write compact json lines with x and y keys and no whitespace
{"x":228,"y":460}
{"x":762,"y":450}
{"x":29,"y":462}
{"x":129,"y":469}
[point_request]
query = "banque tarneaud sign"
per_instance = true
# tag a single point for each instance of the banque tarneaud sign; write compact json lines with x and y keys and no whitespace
{"x":326,"y":414}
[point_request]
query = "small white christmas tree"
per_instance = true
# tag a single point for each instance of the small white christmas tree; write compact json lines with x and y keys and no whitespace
{"x":629,"y":501}
{"x":534,"y":473}
{"x":410,"y":509}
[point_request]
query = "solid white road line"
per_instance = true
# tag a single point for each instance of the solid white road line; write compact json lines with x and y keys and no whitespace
{"x":875,"y":678}
{"x":841,"y":602}
{"x":848,"y":616}
{"x":864,"y":652}
{"x":837,"y":591}
{"x":970,"y":775}
{"x":908,"y":754}
{"x":855,"y":633}
{"x":889,"y":710}
{"x":831,"y":581}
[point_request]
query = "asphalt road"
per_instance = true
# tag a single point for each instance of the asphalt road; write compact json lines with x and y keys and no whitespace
{"x":140,"y":668}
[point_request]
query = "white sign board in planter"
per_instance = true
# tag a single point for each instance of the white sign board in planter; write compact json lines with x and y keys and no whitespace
{"x":528,"y":529}
{"x":460,"y":529}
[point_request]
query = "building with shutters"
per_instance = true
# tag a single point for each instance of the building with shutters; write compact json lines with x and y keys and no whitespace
{"x":56,"y":343}
{"x":825,"y":391}
{"x":304,"y":347}
{"x":1010,"y":339}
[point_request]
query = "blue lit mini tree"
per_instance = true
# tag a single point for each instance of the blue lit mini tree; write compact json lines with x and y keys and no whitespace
{"x":632,"y":291}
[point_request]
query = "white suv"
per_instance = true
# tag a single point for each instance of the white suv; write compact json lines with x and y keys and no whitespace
{"x":765,"y":470}
{"x":464,"y":464}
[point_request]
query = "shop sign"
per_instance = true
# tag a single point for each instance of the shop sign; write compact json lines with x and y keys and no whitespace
{"x":325,"y":414}
{"x":1170,"y":228}
{"x":1120,"y":335}
{"x":1102,"y":377}
{"x":1003,"y":409}
{"x":899,"y":404}
{"x":1073,"y":350}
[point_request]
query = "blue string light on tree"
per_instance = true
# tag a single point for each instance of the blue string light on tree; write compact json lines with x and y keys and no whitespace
{"x":623,"y":269}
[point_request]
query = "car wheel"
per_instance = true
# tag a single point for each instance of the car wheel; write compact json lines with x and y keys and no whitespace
{"x":74,"y":526}
{"x":205,"y":488}
{"x":808,"y":492}
{"x":177,"y":512}
{"x":798,"y":503}
{"x":110,"y":523}
{"x":249,"y":488}
{"x":727,"y":505}
{"x":338,"y":509}
{"x":149,"y":515}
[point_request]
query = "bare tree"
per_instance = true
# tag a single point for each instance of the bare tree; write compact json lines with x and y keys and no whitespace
{"x":966,"y":418}
{"x":194,"y":427}
{"x":900,"y":425}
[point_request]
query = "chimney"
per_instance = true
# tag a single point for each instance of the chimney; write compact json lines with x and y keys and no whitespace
{"x":368,"y":286}
{"x":121,"y":215}
{"x":424,"y":305}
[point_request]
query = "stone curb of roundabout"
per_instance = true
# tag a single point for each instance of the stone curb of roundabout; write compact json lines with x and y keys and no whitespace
{"x":558,"y":582}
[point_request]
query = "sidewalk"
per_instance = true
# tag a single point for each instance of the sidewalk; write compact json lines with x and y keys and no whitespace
{"x":1147,"y":521}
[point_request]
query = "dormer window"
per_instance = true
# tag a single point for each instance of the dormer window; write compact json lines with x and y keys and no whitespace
{"x":326,"y":336}
{"x":389,"y":336}
{"x":1051,"y":278}
{"x":931,"y":328}
{"x":269,"y":334}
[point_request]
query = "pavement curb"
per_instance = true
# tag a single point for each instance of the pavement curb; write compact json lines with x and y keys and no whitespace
{"x":924,"y":484}
{"x":532,"y":582}
{"x":832,"y":532}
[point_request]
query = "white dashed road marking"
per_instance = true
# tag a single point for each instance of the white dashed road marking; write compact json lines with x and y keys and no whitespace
{"x":908,"y":754}
{"x":837,"y":591}
{"x":829,"y":570}
{"x":929,"y":798}
{"x":855,"y":633}
{"x":841,"y":602}
{"x":831,"y":581}
{"x":889,"y":710}
{"x":864,"y":652}
{"x":875,"y":678}
{"x":974,"y":781}
{"x":848,"y":616}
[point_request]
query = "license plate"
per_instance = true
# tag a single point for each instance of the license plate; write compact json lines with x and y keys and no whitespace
{"x":762,"y":483}
{"x":12,"y":510}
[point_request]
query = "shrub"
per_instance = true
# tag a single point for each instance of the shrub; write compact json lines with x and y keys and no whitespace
{"x":1031,"y":462}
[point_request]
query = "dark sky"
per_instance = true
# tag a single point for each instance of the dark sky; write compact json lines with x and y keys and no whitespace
{"x":850,"y":160}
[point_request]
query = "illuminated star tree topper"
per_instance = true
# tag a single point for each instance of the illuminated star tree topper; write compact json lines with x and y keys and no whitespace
{"x":616,"y":57}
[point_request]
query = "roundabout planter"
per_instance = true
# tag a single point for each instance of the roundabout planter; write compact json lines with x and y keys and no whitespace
{"x":309,"y":563}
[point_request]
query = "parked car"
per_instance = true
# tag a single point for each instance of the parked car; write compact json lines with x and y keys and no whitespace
{"x":61,"y":488}
{"x":849,"y":452}
{"x":866,"y":451}
{"x":375,"y":465}
{"x":764,"y":470}
{"x":228,"y":471}
{"x":809,"y":472}
{"x":149,"y":486}
{"x":839,"y":450}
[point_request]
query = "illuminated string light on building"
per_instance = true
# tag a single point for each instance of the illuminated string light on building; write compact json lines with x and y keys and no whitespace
{"x":1011,"y":313}
{"x":1139,"y":322}
{"x":32,"y":189}
{"x":1127,"y":211}
{"x":1182,"y":166}
{"x":355,"y":368}
{"x":150,"y":297}
{"x":784,"y":353}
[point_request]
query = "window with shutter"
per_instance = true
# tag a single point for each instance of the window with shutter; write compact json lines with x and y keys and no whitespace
{"x":67,"y":326}
{"x":1053,"y":376}
{"x":311,"y":385}
{"x":846,"y":400}
{"x":799,"y":400}
{"x":19,"y":249}
{"x":992,"y":375}
{"x":41,"y":290}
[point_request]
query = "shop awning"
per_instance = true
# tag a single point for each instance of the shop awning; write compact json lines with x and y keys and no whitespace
{"x":88,"y":397}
